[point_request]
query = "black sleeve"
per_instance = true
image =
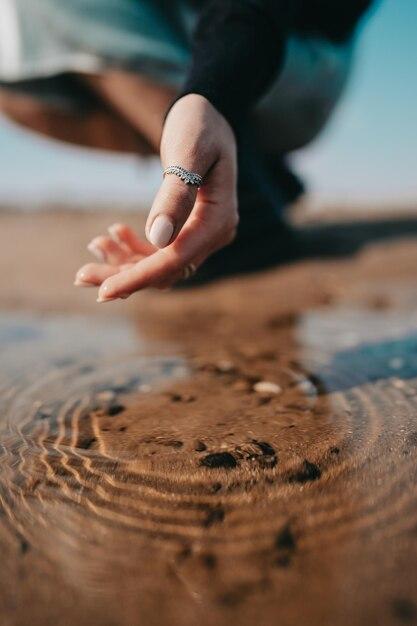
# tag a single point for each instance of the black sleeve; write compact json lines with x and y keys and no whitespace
{"x":239,"y":45}
{"x":238,"y":50}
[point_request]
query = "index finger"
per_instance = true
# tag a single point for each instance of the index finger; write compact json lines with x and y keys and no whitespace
{"x":192,"y":241}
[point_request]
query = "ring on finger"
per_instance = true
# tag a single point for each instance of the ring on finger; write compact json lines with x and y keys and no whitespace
{"x":188,"y":177}
{"x":189,"y":271}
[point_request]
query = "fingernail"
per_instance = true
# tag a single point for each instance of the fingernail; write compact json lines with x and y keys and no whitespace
{"x":103,"y":298}
{"x":161,"y":231}
{"x":96,"y":251}
{"x":114,"y":232}
{"x":80,"y":280}
{"x":103,"y":295}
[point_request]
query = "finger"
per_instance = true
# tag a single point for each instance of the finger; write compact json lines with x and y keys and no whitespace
{"x":94,"y":274}
{"x":163,"y":265}
{"x":197,"y":262}
{"x":107,"y":250}
{"x":126,"y":236}
{"x":170,"y":210}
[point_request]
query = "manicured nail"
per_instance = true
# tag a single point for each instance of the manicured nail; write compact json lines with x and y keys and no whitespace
{"x":96,"y":251}
{"x":161,"y":231}
{"x":103,"y":295}
{"x":114,"y":232}
{"x":104,"y":300}
{"x":80,"y":280}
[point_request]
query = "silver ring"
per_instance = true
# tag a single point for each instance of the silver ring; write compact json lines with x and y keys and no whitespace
{"x":189,"y":271}
{"x":190,"y":178}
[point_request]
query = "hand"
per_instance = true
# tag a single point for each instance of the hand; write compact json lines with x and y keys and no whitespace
{"x":185,"y":225}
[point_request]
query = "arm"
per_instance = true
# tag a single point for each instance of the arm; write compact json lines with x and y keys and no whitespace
{"x":239,"y":45}
{"x":238,"y":50}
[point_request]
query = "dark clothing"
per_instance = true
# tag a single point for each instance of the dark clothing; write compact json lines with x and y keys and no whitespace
{"x":239,"y":45}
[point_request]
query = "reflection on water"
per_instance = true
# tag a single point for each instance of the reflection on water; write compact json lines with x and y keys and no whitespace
{"x":350,"y":347}
{"x":111,"y":451}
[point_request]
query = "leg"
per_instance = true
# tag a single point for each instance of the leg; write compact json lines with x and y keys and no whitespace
{"x":129,"y":116}
{"x":139,"y":101}
{"x":102,"y":129}
{"x":303,"y":98}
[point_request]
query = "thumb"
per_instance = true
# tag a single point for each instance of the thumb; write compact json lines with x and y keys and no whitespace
{"x":172,"y":205}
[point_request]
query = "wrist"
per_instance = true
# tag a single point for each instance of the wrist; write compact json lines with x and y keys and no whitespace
{"x":200,"y":103}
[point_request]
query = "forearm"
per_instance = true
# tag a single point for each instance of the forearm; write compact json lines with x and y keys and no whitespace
{"x":238,"y":50}
{"x":239,"y":45}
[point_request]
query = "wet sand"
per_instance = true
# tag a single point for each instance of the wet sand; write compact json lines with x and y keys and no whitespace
{"x":243,"y":453}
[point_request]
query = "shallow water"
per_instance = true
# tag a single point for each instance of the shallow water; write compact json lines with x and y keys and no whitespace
{"x":166,"y":488}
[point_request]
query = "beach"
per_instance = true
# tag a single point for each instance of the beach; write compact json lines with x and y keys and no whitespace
{"x":240,"y":453}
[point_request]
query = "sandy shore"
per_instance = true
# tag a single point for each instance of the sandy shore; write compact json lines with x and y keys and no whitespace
{"x":242,"y":453}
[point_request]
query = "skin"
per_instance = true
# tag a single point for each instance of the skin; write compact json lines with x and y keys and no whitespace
{"x":195,"y":135}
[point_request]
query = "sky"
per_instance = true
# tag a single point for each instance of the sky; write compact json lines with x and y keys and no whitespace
{"x":368,"y":153}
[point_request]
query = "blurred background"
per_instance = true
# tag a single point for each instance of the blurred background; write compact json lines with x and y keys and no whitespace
{"x":367,"y":155}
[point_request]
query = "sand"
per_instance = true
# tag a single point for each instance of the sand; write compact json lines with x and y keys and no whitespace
{"x":242,"y":453}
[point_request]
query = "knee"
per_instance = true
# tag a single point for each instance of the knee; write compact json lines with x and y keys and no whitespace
{"x":22,"y":110}
{"x":4,"y":101}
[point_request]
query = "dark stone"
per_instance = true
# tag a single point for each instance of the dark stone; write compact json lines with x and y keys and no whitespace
{"x":307,"y":472}
{"x":86,"y":444}
{"x":269,"y":456}
{"x":209,"y":560}
{"x":225,"y":460}
{"x":285,"y":539}
{"x":318,"y":384}
{"x":173,"y":443}
{"x":179,"y":397}
{"x":115,"y":409}
{"x":24,"y":546}
{"x":214,"y":516}
{"x":405,"y":610}
{"x":265,"y":448}
{"x":286,"y":546}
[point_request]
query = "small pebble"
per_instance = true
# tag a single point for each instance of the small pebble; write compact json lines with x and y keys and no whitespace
{"x":265,"y":386}
{"x":200,"y":446}
{"x":106,"y":396}
{"x":307,"y":387}
{"x":225,"y":366}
